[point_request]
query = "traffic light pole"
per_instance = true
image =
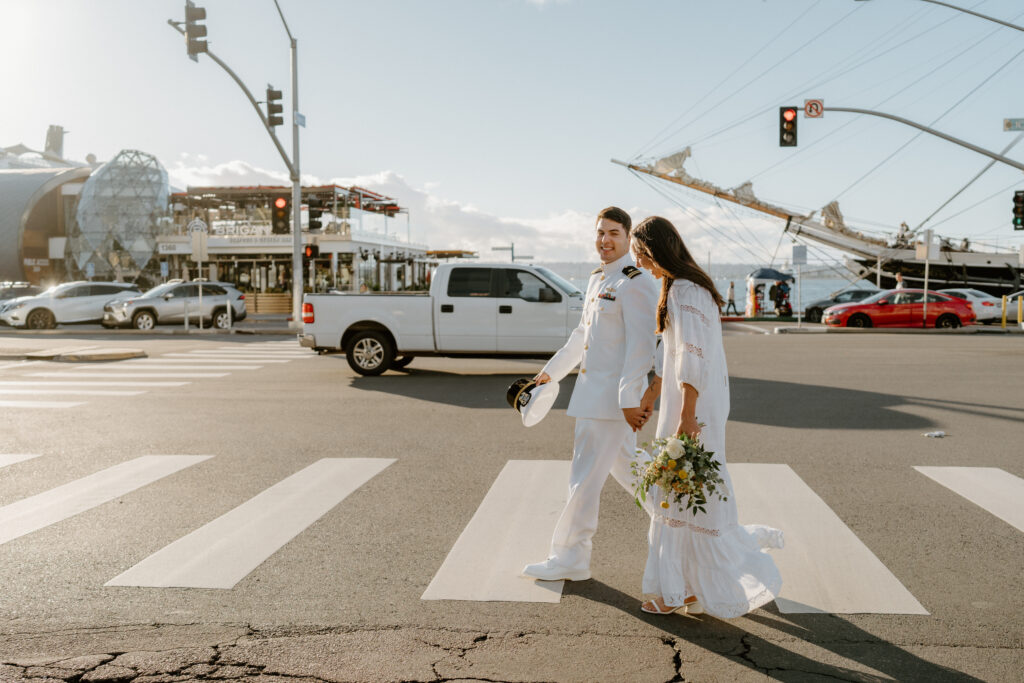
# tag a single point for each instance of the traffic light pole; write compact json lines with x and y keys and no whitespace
{"x":992,"y":155}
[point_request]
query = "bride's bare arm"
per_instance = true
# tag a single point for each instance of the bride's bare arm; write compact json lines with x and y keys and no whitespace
{"x":688,"y":415}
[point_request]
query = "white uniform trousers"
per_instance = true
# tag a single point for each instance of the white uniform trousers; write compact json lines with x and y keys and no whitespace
{"x":599,"y":447}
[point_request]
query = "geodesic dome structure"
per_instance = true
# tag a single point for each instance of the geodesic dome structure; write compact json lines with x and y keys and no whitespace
{"x":118,"y":216}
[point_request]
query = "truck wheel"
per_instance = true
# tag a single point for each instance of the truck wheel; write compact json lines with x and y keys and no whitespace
{"x":369,"y":353}
{"x":399,"y":363}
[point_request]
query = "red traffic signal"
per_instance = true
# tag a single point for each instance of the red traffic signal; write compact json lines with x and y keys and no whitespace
{"x":311,"y":251}
{"x":787,"y":126}
{"x":280,"y":217}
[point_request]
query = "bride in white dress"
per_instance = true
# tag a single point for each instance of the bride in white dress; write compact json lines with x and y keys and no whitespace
{"x":708,"y":561}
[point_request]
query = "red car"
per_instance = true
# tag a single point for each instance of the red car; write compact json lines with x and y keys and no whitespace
{"x":901,"y":308}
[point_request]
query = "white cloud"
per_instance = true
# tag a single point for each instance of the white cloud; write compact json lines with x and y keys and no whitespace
{"x":567,"y":235}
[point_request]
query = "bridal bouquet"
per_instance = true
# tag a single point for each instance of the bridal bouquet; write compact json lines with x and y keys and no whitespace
{"x":681,"y":468}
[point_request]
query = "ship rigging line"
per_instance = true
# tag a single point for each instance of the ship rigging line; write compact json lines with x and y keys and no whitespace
{"x":696,"y":216}
{"x":941,"y":116}
{"x":646,"y":147}
{"x":981,"y":201}
{"x":971,"y":44}
{"x":760,"y":75}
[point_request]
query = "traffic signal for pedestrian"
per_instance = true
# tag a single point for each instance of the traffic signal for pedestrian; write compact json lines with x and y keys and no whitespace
{"x":275,"y":109}
{"x":316,"y":210}
{"x":787,"y":126}
{"x":310,"y":252}
{"x":194,"y":31}
{"x":1018,"y":210}
{"x":280,"y":217}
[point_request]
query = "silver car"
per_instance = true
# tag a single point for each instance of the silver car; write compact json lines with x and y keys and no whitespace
{"x":71,"y":302}
{"x":171,"y":302}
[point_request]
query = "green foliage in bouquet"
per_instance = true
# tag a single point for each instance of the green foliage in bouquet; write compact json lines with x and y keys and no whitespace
{"x":681,"y":468}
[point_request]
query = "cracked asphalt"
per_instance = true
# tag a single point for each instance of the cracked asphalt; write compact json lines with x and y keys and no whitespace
{"x":340,"y":602}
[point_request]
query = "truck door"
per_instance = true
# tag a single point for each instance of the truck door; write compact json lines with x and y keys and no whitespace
{"x":531,"y":313}
{"x":466,"y":312}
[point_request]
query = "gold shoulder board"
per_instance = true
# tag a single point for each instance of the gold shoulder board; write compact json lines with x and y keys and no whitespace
{"x":595,"y":271}
{"x":631,"y":271}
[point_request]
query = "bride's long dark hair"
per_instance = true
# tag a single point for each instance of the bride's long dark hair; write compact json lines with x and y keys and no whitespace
{"x":657,"y":239}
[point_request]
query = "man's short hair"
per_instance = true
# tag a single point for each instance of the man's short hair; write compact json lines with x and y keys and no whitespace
{"x":614,"y":213}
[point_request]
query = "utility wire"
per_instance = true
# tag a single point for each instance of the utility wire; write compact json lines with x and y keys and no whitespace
{"x":940,"y":117}
{"x":655,"y":140}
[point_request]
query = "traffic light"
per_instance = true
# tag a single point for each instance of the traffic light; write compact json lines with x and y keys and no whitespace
{"x":316,"y":210}
{"x":787,"y":126}
{"x":275,"y":109}
{"x":194,"y":31}
{"x":280,"y":215}
{"x":1018,"y":210}
{"x":310,"y":252}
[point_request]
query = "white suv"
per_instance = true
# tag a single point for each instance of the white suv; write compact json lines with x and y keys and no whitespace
{"x":71,"y":302}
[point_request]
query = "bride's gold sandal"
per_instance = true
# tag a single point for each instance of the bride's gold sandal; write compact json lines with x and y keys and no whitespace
{"x":690,"y":606}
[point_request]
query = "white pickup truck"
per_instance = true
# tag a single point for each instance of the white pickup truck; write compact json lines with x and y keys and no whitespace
{"x":480,"y":310}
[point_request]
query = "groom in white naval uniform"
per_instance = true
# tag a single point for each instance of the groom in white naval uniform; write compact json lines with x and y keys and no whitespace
{"x":614,"y":346}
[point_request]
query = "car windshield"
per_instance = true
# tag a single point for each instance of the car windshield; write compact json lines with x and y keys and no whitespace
{"x":159,"y":290}
{"x":563,"y":284}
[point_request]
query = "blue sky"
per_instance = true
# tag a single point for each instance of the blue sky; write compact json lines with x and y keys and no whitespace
{"x":495,"y":120}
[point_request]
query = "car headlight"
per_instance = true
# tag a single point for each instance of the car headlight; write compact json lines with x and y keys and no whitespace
{"x":16,"y":307}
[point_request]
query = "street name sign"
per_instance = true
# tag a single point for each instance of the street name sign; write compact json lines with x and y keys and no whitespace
{"x":1013,"y":124}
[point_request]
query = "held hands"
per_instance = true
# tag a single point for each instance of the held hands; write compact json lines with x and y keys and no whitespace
{"x":636,"y":417}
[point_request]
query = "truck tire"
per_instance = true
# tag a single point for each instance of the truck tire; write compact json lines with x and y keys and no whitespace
{"x":369,"y":353}
{"x":400,"y":363}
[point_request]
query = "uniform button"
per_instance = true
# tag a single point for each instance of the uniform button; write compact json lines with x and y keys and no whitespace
{"x":592,"y":298}
{"x":602,"y":277}
{"x":586,"y":346}
{"x":583,"y":371}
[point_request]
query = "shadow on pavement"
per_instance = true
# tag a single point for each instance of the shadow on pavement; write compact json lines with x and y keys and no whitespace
{"x":755,"y":401}
{"x":830,"y":633}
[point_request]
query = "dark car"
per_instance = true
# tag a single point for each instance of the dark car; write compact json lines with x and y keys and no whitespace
{"x":812,"y":313}
{"x":901,"y":308}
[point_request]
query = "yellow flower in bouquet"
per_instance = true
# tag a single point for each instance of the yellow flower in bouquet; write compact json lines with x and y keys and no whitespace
{"x":682,"y":469}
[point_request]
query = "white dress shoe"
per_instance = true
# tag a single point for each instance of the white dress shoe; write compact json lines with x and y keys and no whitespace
{"x":549,"y":571}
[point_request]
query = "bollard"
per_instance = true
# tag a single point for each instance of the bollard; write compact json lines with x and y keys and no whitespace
{"x":1020,"y":312}
{"x":1004,"y":312}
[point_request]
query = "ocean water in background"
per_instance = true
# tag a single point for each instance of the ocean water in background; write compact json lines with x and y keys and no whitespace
{"x":812,"y":288}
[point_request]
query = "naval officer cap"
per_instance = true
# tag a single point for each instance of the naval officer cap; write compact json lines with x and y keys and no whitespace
{"x":530,"y":400}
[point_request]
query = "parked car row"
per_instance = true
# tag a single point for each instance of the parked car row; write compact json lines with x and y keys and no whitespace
{"x":902,"y":308}
{"x":121,"y":304}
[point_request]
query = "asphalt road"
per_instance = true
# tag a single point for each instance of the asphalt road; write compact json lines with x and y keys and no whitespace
{"x":342,"y":599}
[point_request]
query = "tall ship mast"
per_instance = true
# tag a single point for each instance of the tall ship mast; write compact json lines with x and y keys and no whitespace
{"x":868,"y":257}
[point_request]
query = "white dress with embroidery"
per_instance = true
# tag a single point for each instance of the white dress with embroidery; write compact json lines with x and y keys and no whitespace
{"x":710,"y":554}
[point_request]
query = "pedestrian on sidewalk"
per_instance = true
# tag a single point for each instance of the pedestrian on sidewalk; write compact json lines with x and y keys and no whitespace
{"x":730,"y":299}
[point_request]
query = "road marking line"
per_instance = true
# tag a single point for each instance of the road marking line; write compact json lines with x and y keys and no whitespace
{"x":255,"y":358}
{"x":93,"y":383}
{"x":226,"y":362}
{"x":139,"y":375}
{"x":511,"y":528}
{"x":68,"y":392}
{"x":58,"y":504}
{"x":39,"y":404}
{"x":12,"y":458}
{"x":824,"y":566}
{"x":990,"y":488}
{"x":155,"y":366}
{"x":223,"y":552}
{"x":755,"y":328}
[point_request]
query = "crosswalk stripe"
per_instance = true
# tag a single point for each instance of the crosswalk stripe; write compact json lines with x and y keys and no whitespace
{"x":511,"y":528}
{"x":39,"y":404}
{"x":91,"y":383}
{"x":223,"y":552}
{"x":824,"y":566}
{"x":990,"y":488}
{"x":67,"y":392}
{"x":58,"y":504}
{"x":139,"y":375}
{"x":12,"y":458}
{"x":154,"y":366}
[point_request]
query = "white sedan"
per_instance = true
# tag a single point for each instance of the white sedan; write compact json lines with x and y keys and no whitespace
{"x":987,"y":308}
{"x":1011,"y":306}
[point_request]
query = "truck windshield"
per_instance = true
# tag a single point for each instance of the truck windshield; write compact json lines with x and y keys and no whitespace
{"x":563,"y":284}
